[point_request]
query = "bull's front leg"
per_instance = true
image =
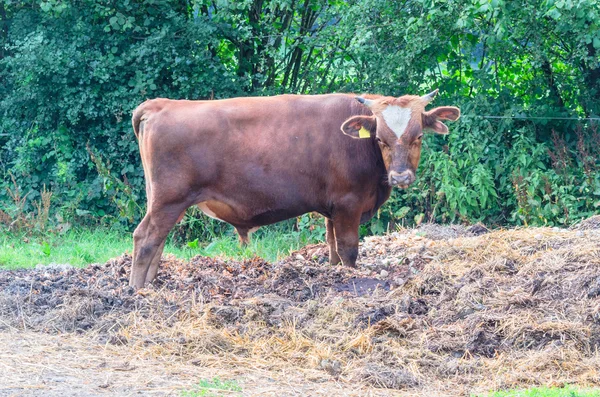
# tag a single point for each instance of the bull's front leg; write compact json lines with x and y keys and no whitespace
{"x":345,"y":227}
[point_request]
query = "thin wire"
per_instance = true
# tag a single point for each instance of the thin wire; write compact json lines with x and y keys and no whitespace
{"x":531,"y":117}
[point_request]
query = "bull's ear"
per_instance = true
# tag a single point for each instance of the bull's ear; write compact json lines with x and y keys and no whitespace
{"x":360,"y":126}
{"x":431,"y":118}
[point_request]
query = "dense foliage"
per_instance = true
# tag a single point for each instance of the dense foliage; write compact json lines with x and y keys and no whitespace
{"x":72,"y":71}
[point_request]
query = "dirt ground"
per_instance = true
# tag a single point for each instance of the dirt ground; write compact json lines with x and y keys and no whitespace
{"x":432,"y":311}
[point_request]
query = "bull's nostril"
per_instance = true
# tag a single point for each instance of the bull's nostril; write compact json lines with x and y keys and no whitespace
{"x":400,"y":179}
{"x":403,"y":179}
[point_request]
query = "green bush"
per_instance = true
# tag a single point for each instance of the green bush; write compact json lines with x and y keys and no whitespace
{"x":512,"y":180}
{"x":72,"y":72}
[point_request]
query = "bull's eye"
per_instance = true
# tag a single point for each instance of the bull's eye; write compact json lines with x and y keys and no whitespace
{"x":418,"y":140}
{"x":382,"y":143}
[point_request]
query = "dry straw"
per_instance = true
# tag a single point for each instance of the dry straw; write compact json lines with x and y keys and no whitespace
{"x":445,"y":312}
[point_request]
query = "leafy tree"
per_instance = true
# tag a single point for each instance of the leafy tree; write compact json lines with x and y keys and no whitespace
{"x":72,"y":72}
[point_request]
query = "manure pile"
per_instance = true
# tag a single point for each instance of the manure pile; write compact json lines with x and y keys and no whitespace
{"x":429,"y":311}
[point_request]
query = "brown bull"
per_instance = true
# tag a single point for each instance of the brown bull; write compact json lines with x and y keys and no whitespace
{"x":256,"y":161}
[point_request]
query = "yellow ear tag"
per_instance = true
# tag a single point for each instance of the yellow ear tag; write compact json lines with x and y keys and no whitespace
{"x":363,"y":133}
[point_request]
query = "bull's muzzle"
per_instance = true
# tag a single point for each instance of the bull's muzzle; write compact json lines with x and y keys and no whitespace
{"x":401,"y":179}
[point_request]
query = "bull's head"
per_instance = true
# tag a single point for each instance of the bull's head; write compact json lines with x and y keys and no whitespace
{"x":398,"y":124}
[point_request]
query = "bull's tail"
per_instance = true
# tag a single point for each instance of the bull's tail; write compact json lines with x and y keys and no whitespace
{"x":136,"y":120}
{"x":140,"y":114}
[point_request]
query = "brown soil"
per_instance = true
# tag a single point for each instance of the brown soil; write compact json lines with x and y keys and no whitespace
{"x":431,"y":311}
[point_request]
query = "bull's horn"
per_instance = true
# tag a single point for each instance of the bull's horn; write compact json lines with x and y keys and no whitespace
{"x":366,"y":102}
{"x":429,"y":97}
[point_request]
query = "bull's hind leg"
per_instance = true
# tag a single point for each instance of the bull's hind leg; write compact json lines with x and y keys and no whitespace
{"x":334,"y":258}
{"x":244,"y":235}
{"x":345,"y":227}
{"x":148,"y":241}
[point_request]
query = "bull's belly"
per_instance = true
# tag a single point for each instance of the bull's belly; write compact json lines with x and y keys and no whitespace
{"x":246,"y":217}
{"x":208,"y":212}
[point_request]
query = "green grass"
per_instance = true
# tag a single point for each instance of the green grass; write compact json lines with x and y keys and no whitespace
{"x":85,"y":246}
{"x":268,"y":244}
{"x":212,"y":388}
{"x":567,"y":391}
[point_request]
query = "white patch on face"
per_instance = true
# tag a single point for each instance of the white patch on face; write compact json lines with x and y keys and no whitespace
{"x":397,"y":119}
